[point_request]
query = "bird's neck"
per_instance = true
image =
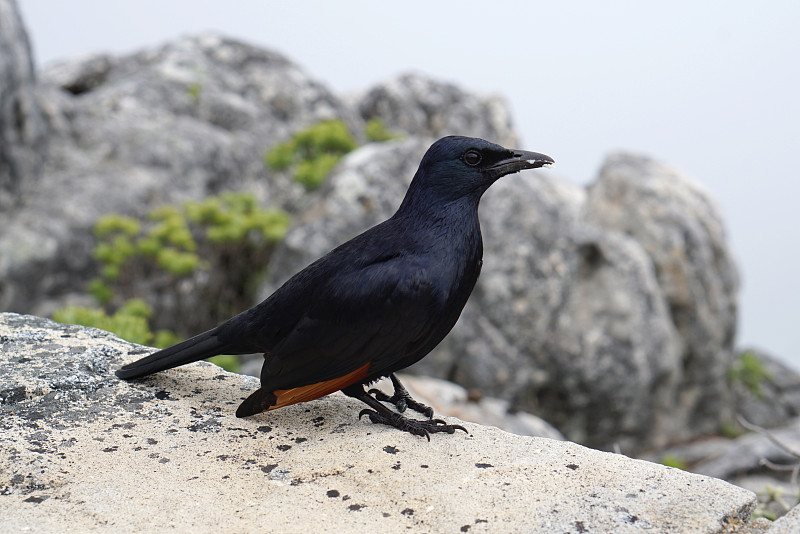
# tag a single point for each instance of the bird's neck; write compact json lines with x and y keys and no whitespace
{"x":454,"y":225}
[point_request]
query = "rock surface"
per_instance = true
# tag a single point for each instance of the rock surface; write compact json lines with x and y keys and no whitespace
{"x":84,"y":450}
{"x":420,"y":106}
{"x":23,"y":130}
{"x":681,"y":230}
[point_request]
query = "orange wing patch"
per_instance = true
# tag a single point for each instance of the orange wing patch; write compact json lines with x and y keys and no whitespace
{"x":286,"y":397}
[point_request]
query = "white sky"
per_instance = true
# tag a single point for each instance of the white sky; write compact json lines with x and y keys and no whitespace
{"x":711,"y":87}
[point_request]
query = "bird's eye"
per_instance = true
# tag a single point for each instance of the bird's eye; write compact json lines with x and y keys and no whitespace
{"x":472,"y":157}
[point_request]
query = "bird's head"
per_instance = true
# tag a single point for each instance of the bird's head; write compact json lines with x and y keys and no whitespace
{"x":464,"y":167}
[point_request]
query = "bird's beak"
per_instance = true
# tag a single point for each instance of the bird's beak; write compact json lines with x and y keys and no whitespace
{"x":520,"y":161}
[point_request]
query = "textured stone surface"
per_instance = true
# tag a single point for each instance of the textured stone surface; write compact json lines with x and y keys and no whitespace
{"x":420,"y":106}
{"x":182,"y":121}
{"x":82,"y":450}
{"x":23,"y":130}
{"x":788,"y":524}
{"x":681,"y":229}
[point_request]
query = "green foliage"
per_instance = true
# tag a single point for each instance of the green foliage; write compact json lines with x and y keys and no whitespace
{"x":312,"y":172}
{"x":670,"y":460}
{"x":162,"y":254}
{"x":749,"y":371}
{"x":195,"y":90}
{"x":377,"y":132}
{"x":229,"y":362}
{"x":169,"y":240}
{"x":312,"y":152}
{"x":235,"y":217}
{"x":129,"y":322}
{"x":731,"y":430}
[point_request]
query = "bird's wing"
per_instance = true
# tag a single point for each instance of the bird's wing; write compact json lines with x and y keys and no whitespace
{"x":360,"y":325}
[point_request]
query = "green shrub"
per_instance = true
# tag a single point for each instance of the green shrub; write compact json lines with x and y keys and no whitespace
{"x":749,"y":371}
{"x":377,"y":132}
{"x":129,"y":322}
{"x":312,"y":152}
{"x":670,"y":460}
{"x":227,"y":234}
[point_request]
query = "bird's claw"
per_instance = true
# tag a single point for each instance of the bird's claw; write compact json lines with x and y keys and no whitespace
{"x":414,"y":426}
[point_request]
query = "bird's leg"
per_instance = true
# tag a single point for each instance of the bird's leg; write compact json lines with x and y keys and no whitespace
{"x":382,"y":415}
{"x":402,"y":399}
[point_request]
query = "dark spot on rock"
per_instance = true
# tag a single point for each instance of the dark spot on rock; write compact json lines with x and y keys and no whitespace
{"x":111,"y":449}
{"x":384,"y":514}
{"x":466,"y":528}
{"x":300,"y":440}
{"x":580,"y":527}
{"x":162,"y":395}
{"x":318,"y":421}
{"x":284,"y":447}
{"x":35,"y":500}
{"x":572,"y":466}
{"x":481,"y":521}
{"x":370,"y":471}
{"x":408,"y":511}
{"x":151,"y":441}
{"x":226,"y":476}
{"x":424,"y":466}
{"x":220,"y":377}
{"x":12,"y":395}
{"x":223,"y":457}
{"x":483,"y":466}
{"x":264,"y":428}
{"x":268,"y":468}
{"x":355,"y":507}
{"x":163,"y":460}
{"x":390,"y":449}
{"x":172,"y":430}
{"x":346,"y":498}
{"x":23,"y":360}
{"x":332,"y":494}
{"x":396,"y":466}
{"x":127,"y":436}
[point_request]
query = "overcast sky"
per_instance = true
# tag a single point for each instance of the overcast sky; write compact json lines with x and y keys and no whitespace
{"x":710,"y":87}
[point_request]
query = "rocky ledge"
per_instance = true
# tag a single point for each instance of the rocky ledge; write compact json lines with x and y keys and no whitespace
{"x":79,"y":447}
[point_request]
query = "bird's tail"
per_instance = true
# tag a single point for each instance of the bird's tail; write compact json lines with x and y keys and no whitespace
{"x":193,"y":349}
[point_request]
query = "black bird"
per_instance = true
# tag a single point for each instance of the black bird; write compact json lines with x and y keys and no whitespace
{"x":374,"y":305}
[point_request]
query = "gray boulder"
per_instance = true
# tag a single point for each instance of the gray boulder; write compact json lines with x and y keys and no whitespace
{"x":182,"y":121}
{"x":766,"y":390}
{"x":681,"y":230}
{"x":23,"y":130}
{"x":84,"y":451}
{"x":420,"y":106}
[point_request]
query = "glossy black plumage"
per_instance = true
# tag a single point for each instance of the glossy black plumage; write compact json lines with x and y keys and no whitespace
{"x":374,"y":305}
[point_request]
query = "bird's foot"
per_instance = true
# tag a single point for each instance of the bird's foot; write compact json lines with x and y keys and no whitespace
{"x":417,"y":427}
{"x":402,"y":399}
